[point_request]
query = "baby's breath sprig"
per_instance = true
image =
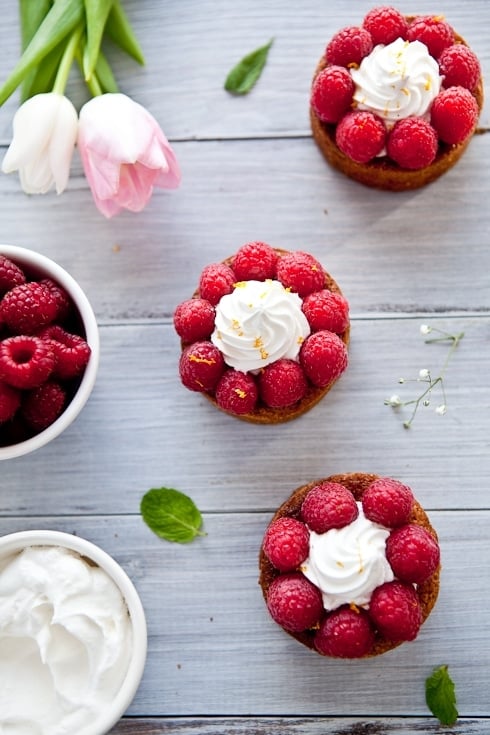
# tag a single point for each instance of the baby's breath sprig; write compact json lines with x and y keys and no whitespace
{"x":425,"y":377}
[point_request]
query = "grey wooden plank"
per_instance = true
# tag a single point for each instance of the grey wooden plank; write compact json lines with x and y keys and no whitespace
{"x":141,"y":428}
{"x":213,"y":650}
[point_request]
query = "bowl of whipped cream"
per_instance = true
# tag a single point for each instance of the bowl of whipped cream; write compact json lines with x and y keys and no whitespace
{"x":73,"y":636}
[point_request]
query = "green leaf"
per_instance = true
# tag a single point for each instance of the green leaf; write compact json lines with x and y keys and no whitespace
{"x":440,"y":696}
{"x":104,"y":74}
{"x":57,"y":24}
{"x":119,"y":29}
{"x":96,"y":12}
{"x":32,"y":14}
{"x":244,"y":75}
{"x":171,"y":515}
{"x":43,"y":78}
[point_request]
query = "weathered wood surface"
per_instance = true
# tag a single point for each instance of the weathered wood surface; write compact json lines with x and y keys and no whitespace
{"x":216,"y":663}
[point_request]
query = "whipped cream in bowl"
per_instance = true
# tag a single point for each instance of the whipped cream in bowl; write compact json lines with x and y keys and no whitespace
{"x":397,"y":80}
{"x":72,"y":636}
{"x":258,"y":323}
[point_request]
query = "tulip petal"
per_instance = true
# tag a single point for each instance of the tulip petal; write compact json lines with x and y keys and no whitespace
{"x":135,"y":186}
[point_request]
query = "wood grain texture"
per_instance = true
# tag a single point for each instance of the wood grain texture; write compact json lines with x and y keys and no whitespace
{"x":217,"y":664}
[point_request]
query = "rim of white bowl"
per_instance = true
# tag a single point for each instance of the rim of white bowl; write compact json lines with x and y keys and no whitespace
{"x":19,"y":540}
{"x":45,"y":265}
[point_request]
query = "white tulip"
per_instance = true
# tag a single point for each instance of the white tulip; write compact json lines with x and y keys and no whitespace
{"x":45,"y":132}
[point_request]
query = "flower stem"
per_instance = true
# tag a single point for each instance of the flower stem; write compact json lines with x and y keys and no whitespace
{"x":67,"y":60}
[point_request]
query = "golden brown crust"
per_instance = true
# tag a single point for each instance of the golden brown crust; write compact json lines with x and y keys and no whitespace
{"x":382,"y":173}
{"x":356,"y":482}
{"x":265,"y":415}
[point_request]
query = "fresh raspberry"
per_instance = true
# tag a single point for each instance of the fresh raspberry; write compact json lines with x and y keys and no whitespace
{"x":454,"y":114}
{"x":282,"y":383}
{"x":326,"y":310}
{"x":28,"y":307}
{"x":63,"y":301}
{"x":412,"y":143}
{"x":387,"y":502}
{"x":10,"y":275}
{"x":286,"y":543}
{"x":194,"y":320}
{"x":42,"y":406}
{"x":413,"y":553}
{"x":26,"y":361}
{"x":217,"y":280}
{"x":329,"y":505}
{"x":255,"y":261}
{"x":71,"y":351}
{"x":349,"y":46}
{"x":237,"y":392}
{"x":385,"y":24}
{"x":361,"y":135}
{"x":434,"y":31}
{"x":201,"y":366}
{"x":294,"y":602}
{"x":395,"y":610}
{"x":331,"y":93}
{"x":300,"y":272}
{"x":324,"y":357}
{"x":345,"y":633}
{"x":460,"y":67}
{"x":9,"y":401}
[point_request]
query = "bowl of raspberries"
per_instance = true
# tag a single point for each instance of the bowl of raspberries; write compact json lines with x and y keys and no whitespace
{"x":49,"y":350}
{"x":350,"y":565}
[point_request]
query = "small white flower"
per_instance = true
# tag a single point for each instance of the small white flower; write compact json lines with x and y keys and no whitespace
{"x":441,"y":410}
{"x":401,"y":380}
{"x":394,"y":401}
{"x":425,"y":329}
{"x":424,"y":373}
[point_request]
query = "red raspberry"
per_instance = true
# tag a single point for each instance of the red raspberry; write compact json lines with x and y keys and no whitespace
{"x":286,"y":543}
{"x":25,"y":361}
{"x":217,"y":280}
{"x":460,"y":67}
{"x":63,"y":301}
{"x":194,"y":320}
{"x":331,"y":93}
{"x":28,"y":307}
{"x":10,"y":275}
{"x":454,"y":114}
{"x":329,"y":505}
{"x":395,"y":610}
{"x":326,"y":310}
{"x":201,"y":366}
{"x":282,"y":383}
{"x":300,"y":272}
{"x":345,"y":633}
{"x":434,"y":31}
{"x":385,"y":24}
{"x":294,"y":602}
{"x":361,"y":135}
{"x":9,"y":401}
{"x":237,"y":392}
{"x":349,"y":46}
{"x":323,"y":357}
{"x":412,"y":143}
{"x":387,"y":502}
{"x":42,"y":406}
{"x":71,"y":351}
{"x":255,"y":261}
{"x":413,"y":553}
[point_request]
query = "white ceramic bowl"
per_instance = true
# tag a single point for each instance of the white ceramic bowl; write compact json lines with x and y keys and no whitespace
{"x":113,"y":711}
{"x":47,"y":268}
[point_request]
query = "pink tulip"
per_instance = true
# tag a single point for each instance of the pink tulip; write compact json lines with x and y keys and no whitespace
{"x":124,"y":153}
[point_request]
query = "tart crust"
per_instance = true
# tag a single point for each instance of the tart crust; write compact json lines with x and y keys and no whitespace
{"x":356,"y":482}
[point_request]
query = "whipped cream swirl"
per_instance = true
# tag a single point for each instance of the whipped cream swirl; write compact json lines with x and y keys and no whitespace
{"x":258,"y":323}
{"x":348,"y":563}
{"x":397,"y":80}
{"x":65,"y":642}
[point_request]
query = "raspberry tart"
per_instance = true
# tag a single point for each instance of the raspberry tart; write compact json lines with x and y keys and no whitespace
{"x":349,"y":565}
{"x":265,"y":335}
{"x":395,"y":100}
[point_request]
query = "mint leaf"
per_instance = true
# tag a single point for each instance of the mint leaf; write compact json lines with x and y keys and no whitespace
{"x":171,"y":515}
{"x":243,"y":76}
{"x":440,"y":696}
